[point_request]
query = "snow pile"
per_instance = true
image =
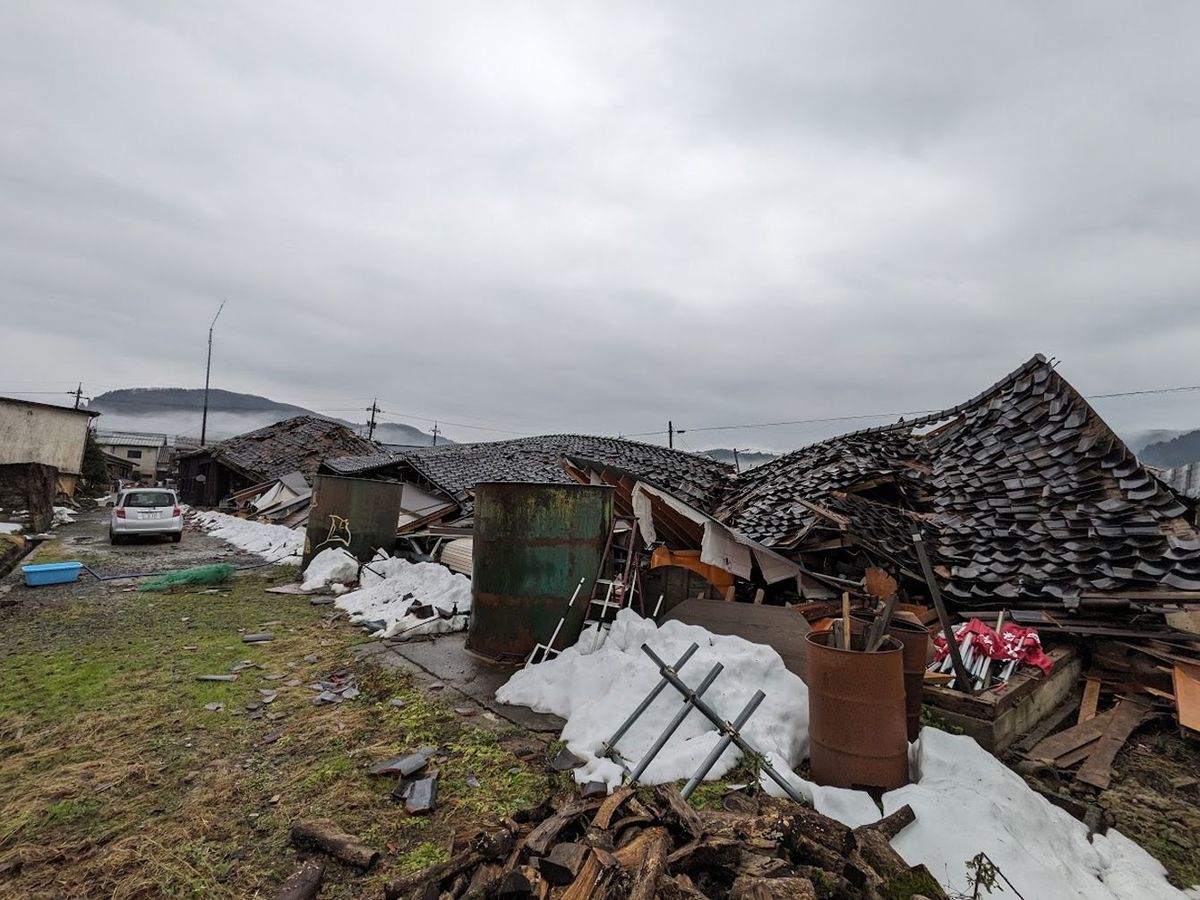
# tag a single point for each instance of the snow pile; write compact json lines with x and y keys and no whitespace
{"x":579,"y":686}
{"x":329,"y":567}
{"x":62,"y":516}
{"x":390,"y":587}
{"x":11,"y":527}
{"x":966,"y":801}
{"x":274,"y":543}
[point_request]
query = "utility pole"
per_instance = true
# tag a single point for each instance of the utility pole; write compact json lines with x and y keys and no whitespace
{"x":737,"y":466}
{"x":207,"y":372}
{"x":435,"y":434}
{"x":670,"y":434}
{"x":78,"y":394}
{"x":374,"y":408}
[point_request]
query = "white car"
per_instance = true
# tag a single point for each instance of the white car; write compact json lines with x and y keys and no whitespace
{"x":146,"y":511}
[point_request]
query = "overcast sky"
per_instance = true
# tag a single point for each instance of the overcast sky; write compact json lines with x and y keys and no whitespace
{"x":595,"y":217}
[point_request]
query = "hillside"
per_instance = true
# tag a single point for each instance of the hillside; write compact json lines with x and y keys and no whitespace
{"x":1179,"y":451}
{"x":178,"y":411}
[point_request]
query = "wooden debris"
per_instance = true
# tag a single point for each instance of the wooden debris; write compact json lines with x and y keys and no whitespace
{"x":1097,"y":771}
{"x":304,"y":883}
{"x":325,"y":835}
{"x":669,"y":850}
{"x":1186,"y":680}
{"x":1073,"y":738}
{"x":1091,"y":699}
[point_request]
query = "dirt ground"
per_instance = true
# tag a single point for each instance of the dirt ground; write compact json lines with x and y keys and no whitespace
{"x":115,"y":781}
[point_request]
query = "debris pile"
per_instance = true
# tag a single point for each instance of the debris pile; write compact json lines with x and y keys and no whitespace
{"x":653,"y":844}
{"x":397,"y":598}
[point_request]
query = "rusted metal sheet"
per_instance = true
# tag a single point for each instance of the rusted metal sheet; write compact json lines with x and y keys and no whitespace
{"x":781,"y":629}
{"x":531,"y":545}
{"x":354,"y":513}
{"x":856,"y":715}
{"x":914,"y":638}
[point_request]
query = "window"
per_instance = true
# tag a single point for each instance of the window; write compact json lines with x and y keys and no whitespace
{"x":134,"y":454}
{"x":149,"y":499}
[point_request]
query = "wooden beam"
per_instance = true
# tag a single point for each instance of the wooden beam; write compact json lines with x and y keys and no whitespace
{"x":1091,"y":699}
{"x":1097,"y":771}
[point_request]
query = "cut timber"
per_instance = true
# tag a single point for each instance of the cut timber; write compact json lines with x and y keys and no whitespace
{"x":1073,"y":738}
{"x":677,"y":811}
{"x":563,"y":864}
{"x":1076,"y":756}
{"x":654,"y":864}
{"x":1091,"y":699}
{"x":325,"y":835}
{"x":609,"y":807}
{"x":1097,"y":771}
{"x":781,"y":629}
{"x":539,"y":840}
{"x":591,"y":882}
{"x":1187,"y":695}
{"x":304,"y":883}
{"x":633,"y":855}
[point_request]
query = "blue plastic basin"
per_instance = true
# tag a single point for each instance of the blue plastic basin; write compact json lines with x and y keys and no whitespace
{"x":51,"y":573}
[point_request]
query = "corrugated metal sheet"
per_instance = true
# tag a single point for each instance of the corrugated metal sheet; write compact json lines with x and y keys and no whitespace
{"x":1184,"y":479}
{"x":456,"y":555}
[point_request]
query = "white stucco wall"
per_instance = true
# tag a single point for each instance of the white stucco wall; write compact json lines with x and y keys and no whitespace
{"x":53,"y":436}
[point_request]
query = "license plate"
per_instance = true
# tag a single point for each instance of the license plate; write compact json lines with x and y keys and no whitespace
{"x":151,"y":515}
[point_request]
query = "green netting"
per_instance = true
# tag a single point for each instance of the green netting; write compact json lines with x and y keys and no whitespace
{"x":213,"y":574}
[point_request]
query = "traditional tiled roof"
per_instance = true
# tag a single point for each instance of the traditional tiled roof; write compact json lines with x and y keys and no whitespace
{"x":294,"y":445}
{"x":1023,"y":491}
{"x":458,"y":467}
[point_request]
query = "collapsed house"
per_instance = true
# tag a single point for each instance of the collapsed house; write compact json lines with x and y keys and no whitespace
{"x":255,"y":461}
{"x":1024,"y":495}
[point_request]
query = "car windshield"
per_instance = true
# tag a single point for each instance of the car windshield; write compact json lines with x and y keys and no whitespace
{"x":149,"y":499}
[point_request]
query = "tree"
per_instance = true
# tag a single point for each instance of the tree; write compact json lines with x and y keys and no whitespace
{"x":94,"y":472}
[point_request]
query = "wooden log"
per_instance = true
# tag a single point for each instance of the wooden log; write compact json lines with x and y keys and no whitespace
{"x":484,"y":847}
{"x":513,"y":886}
{"x":633,"y":855}
{"x":757,"y":865}
{"x":645,"y":884}
{"x":749,"y":888}
{"x":890,"y":826}
{"x":564,"y":862}
{"x":484,"y":881}
{"x":818,"y":829}
{"x":679,"y":887}
{"x":592,"y":881}
{"x":325,"y":835}
{"x":539,"y":840}
{"x":611,"y":804}
{"x":705,"y":854}
{"x":304,"y":883}
{"x":676,"y":810}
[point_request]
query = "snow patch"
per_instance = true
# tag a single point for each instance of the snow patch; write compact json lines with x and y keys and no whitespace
{"x":331,"y":566}
{"x":578,"y":685}
{"x":63,"y":515}
{"x":11,"y":527}
{"x":390,"y":587}
{"x":966,"y":801}
{"x":274,"y":543}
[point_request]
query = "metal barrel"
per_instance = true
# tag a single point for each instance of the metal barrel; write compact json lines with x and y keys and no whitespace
{"x":914,"y":638}
{"x":355,"y":513}
{"x":532,"y":544}
{"x":856,"y":715}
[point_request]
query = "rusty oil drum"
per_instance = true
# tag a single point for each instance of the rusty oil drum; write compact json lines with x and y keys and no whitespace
{"x":856,"y":715}
{"x":532,"y":543}
{"x":915,"y":640}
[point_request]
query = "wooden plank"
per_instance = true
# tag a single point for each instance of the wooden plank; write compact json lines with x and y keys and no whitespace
{"x":1065,"y":741}
{"x":1091,"y":699}
{"x":778,"y":627}
{"x":1077,"y":756}
{"x":1186,"y":679}
{"x":1097,"y":771}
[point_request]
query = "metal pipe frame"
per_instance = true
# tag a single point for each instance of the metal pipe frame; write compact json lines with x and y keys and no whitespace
{"x":691,"y":700}
{"x":712,"y":716}
{"x":723,"y":744}
{"x":610,"y":746}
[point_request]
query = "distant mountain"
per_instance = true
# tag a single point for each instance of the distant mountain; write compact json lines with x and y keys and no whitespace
{"x":178,"y":411}
{"x":1180,"y":451}
{"x":746,"y":459}
{"x":1139,"y":440}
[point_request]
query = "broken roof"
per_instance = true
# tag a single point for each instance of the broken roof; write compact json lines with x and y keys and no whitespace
{"x":293,"y":445}
{"x":1023,"y":491}
{"x":457,"y":468}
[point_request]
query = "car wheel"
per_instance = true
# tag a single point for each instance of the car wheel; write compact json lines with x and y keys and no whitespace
{"x":113,"y":539}
{"x":176,"y":538}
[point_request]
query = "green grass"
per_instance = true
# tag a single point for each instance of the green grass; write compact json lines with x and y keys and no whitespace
{"x":108,"y":757}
